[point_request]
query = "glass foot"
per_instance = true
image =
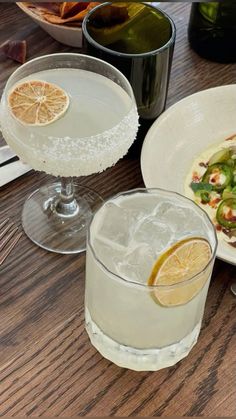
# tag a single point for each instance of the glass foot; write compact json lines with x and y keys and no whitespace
{"x":49,"y":229}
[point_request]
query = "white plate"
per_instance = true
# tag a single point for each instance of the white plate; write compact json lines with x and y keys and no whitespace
{"x":181,"y":134}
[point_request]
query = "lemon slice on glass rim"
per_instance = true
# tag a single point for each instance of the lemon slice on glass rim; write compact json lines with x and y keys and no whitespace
{"x":37,"y":103}
{"x":179,"y":273}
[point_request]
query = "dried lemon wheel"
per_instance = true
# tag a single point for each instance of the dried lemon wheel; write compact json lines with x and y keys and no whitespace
{"x":37,"y":102}
{"x":178,"y":265}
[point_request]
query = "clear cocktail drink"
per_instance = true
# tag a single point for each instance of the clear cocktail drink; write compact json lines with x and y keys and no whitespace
{"x":132,"y":323}
{"x":71,"y":146}
{"x":67,"y":115}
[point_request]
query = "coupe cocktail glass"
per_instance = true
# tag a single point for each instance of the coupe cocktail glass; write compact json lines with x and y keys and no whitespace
{"x":96,"y":131}
{"x":131,"y":323}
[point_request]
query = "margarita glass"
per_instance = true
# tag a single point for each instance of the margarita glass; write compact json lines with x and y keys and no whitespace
{"x":97,"y":129}
{"x":132,"y":320}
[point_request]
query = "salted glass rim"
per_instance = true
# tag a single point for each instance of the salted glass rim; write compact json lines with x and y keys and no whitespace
{"x":138,"y":284}
{"x":92,"y":41}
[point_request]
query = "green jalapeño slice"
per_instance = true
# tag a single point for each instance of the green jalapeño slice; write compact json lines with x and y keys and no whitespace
{"x":219,"y":175}
{"x":226,"y":213}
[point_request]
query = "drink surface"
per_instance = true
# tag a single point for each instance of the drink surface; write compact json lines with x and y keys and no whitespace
{"x":97,"y":104}
{"x":126,"y":237}
{"x":140,"y":28}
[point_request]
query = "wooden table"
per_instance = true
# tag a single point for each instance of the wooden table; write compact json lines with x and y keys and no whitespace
{"x":47,"y":364}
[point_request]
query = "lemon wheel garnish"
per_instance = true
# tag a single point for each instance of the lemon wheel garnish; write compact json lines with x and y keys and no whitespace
{"x":178,"y":265}
{"x":37,"y":102}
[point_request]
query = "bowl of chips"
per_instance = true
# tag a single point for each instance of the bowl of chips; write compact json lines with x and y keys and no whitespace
{"x":61,"y":20}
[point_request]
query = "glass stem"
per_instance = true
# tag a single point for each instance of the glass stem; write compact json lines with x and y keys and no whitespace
{"x":67,"y":205}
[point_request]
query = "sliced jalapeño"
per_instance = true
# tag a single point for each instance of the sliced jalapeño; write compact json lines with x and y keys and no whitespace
{"x":226,"y":213}
{"x":219,"y":175}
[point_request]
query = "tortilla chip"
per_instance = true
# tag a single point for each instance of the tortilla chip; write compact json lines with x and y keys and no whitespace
{"x":59,"y":21}
{"x":60,"y":13}
{"x":76,"y":18}
{"x":70,"y":8}
{"x":46,"y":7}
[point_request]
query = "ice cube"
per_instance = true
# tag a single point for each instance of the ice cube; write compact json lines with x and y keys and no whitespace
{"x":115,"y":225}
{"x":108,"y":252}
{"x":154,"y":232}
{"x":136,"y":264}
{"x":177,"y":218}
{"x":119,"y":223}
{"x":141,"y":203}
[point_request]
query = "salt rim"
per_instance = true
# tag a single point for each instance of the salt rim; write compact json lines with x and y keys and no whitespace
{"x":86,"y":155}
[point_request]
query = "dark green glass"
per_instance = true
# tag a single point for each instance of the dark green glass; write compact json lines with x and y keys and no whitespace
{"x":212,"y":30}
{"x":139,"y":40}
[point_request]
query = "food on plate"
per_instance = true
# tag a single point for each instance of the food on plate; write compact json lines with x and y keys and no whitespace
{"x":16,"y":50}
{"x":68,"y":9}
{"x":211,"y":183}
{"x":41,"y":7}
{"x":59,"y":13}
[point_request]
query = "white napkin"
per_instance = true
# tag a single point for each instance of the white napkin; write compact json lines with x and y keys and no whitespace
{"x":12,"y":171}
{"x":6,"y":153}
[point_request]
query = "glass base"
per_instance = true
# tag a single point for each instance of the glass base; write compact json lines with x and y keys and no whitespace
{"x":52,"y":231}
{"x":139,"y":359}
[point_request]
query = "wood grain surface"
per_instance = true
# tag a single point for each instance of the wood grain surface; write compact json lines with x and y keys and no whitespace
{"x":47,"y":365}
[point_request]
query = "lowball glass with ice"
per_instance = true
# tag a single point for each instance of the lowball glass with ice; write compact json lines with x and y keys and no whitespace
{"x":67,"y":115}
{"x":149,"y":260}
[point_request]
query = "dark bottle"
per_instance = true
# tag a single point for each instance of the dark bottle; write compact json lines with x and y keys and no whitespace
{"x":212,"y":30}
